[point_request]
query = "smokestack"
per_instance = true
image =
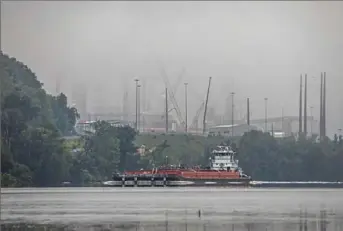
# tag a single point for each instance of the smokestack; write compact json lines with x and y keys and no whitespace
{"x":300,"y":106}
{"x":248,"y":112}
{"x":324,"y":106}
{"x":305,"y":107}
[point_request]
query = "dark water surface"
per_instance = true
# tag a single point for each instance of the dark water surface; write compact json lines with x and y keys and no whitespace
{"x":172,"y":209}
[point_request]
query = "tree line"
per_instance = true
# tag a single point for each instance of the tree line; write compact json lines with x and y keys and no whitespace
{"x":35,"y":153}
{"x":34,"y":124}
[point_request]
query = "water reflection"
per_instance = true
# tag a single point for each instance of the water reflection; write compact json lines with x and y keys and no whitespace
{"x":174,"y":209}
{"x":198,"y":220}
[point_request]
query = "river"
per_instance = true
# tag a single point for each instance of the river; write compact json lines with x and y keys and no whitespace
{"x":173,"y":209}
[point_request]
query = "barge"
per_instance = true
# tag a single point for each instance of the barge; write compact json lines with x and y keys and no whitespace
{"x":223,"y":170}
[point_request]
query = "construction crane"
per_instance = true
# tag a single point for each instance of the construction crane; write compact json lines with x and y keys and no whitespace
{"x":172,"y":98}
{"x":206,"y":103}
{"x":178,"y":81}
{"x":175,"y":88}
{"x":195,"y":122}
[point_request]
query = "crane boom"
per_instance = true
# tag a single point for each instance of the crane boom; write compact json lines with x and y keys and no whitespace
{"x":179,"y":80}
{"x":206,"y":103}
{"x":172,"y":98}
{"x":195,"y":121}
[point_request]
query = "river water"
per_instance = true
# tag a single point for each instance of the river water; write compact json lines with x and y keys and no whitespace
{"x":174,"y":209}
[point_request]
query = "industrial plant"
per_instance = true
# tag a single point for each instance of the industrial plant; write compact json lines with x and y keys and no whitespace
{"x":172,"y":119}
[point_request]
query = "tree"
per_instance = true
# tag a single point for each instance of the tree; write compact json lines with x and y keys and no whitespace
{"x":126,"y":136}
{"x":101,"y":156}
{"x":32,"y":150}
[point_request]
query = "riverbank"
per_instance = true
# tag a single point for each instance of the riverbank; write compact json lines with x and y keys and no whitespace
{"x":253,"y":184}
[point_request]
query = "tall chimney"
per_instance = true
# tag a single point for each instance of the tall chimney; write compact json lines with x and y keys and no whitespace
{"x":305,"y":107}
{"x":248,"y":111}
{"x":300,"y":107}
{"x":324,"y":106}
{"x":321,"y":107}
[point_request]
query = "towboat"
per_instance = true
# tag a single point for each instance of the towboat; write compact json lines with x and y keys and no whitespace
{"x":223,"y":170}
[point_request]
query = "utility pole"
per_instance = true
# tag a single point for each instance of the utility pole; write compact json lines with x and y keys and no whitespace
{"x":321,"y":107}
{"x":282,"y":120}
{"x":136,"y":122}
{"x":305,"y":107}
{"x":324,"y":105}
{"x":311,"y":125}
{"x":300,"y":107}
{"x":143,"y":95}
{"x":186,"y":126}
{"x":139,"y":107}
{"x":265,"y":114}
{"x":166,"y":110}
{"x":232,"y":112}
{"x":248,"y":111}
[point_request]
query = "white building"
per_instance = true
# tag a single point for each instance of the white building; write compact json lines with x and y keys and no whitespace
{"x":237,"y":129}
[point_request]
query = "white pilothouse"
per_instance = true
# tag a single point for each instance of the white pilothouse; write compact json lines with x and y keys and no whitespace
{"x":223,"y":159}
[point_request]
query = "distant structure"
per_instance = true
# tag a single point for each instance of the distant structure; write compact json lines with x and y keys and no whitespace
{"x":303,"y":119}
{"x":125,"y":106}
{"x":58,"y":85}
{"x":300,"y":106}
{"x":229,"y":110}
{"x":144,"y":90}
{"x":236,"y":129}
{"x":305,"y":106}
{"x":322,"y":116}
{"x":248,"y":111}
{"x":206,"y":104}
{"x":79,"y":99}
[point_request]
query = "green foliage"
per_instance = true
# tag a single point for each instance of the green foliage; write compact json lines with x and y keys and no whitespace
{"x":266,"y":158}
{"x":101,"y":153}
{"x":32,"y":122}
{"x":65,"y":117}
{"x":260,"y":155}
{"x":179,"y":149}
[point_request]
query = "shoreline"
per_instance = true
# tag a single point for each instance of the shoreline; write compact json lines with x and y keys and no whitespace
{"x":253,"y":184}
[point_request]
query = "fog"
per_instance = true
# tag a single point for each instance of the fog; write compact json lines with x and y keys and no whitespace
{"x":255,"y":49}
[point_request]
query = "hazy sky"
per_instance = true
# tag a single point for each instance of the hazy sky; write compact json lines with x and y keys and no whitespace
{"x":256,"y":49}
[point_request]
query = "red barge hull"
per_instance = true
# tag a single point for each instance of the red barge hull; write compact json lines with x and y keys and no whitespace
{"x":169,"y":178}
